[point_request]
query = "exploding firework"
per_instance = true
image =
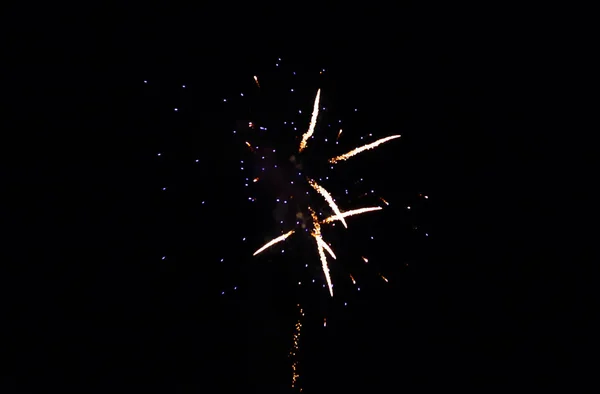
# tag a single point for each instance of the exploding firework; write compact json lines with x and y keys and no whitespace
{"x":302,"y":203}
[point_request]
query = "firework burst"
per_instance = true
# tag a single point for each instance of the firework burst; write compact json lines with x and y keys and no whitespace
{"x":339,"y":215}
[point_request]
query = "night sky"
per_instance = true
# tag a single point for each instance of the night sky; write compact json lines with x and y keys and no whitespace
{"x":135,"y":230}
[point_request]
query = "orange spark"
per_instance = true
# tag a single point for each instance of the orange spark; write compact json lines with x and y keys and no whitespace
{"x":256,"y":80}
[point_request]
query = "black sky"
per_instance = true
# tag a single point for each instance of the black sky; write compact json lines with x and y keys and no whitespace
{"x":96,"y":308}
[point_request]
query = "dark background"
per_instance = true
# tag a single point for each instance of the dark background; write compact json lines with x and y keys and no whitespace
{"x":96,"y":307}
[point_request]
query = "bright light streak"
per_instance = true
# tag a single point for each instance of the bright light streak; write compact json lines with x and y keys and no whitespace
{"x":274,"y":241}
{"x":321,"y":190}
{"x":313,"y":123}
{"x":363,"y":148}
{"x":351,"y":213}
{"x":316,"y":233}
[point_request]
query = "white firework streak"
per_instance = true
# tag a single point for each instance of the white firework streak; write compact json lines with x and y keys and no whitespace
{"x":313,"y":123}
{"x":321,"y":190}
{"x":326,"y":247}
{"x":351,"y":213}
{"x":324,"y":262}
{"x":363,"y":148}
{"x":273,"y":242}
{"x":316,"y":233}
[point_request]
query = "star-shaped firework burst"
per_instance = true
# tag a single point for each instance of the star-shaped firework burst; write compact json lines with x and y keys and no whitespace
{"x":339,"y":215}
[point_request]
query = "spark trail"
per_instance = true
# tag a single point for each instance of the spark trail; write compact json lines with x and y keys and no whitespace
{"x":321,"y":190}
{"x":273,"y":242}
{"x":316,"y":233}
{"x":363,"y":148}
{"x":294,"y":351}
{"x":313,"y":123}
{"x":351,"y":213}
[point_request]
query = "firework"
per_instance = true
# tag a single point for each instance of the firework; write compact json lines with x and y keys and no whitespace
{"x":351,"y":213}
{"x":273,"y":242}
{"x":321,"y":245}
{"x":313,"y":123}
{"x":317,"y":235}
{"x":321,"y":190}
{"x":363,"y":148}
